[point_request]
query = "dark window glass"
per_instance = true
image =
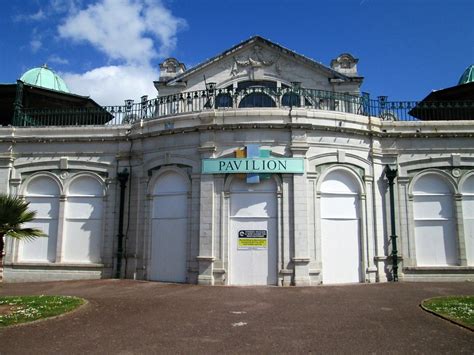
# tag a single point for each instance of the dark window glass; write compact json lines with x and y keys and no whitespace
{"x":257,"y":99}
{"x":257,"y":83}
{"x":290,"y":99}
{"x":223,"y":100}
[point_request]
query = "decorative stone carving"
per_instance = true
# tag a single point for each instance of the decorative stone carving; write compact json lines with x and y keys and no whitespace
{"x":253,"y":62}
{"x":456,"y":172}
{"x":345,"y":64}
{"x":170,"y":68}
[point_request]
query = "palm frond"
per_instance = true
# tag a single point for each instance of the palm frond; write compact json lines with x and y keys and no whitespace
{"x":26,"y":233}
{"x":13,"y":214}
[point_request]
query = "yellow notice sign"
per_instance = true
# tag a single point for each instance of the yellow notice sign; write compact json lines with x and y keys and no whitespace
{"x":253,"y":239}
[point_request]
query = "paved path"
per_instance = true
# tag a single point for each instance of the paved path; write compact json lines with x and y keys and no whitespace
{"x":133,"y":317}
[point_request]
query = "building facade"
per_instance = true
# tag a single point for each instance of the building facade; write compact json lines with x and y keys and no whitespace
{"x":258,"y":167}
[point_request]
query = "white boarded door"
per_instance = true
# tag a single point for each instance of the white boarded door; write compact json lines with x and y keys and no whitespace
{"x":253,"y":233}
{"x":43,"y":194}
{"x":169,"y":228}
{"x":340,"y":236}
{"x":82,"y":237}
{"x":468,"y":214}
{"x":435,"y":230}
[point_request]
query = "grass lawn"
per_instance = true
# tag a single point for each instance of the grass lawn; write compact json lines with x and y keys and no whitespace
{"x":21,"y":309}
{"x":457,"y":308}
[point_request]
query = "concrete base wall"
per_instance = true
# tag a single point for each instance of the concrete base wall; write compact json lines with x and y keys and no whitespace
{"x":433,"y":274}
{"x":37,"y":273}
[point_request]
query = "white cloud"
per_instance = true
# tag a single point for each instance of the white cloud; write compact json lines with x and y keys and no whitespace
{"x":57,"y":60}
{"x":134,"y":32}
{"x":61,"y":6}
{"x":161,"y":22}
{"x":37,"y":16}
{"x":111,"y":85}
{"x":125,"y":30}
{"x":35,"y":45}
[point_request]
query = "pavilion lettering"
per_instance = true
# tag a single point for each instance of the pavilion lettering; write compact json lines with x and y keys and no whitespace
{"x":252,"y":165}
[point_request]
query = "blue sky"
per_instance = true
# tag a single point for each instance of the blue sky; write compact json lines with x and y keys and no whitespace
{"x":111,"y":49}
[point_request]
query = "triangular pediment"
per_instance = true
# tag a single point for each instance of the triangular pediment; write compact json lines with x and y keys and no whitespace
{"x":258,"y":59}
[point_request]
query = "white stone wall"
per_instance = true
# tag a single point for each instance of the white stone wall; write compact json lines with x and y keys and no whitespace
{"x":63,"y":153}
{"x":325,"y":139}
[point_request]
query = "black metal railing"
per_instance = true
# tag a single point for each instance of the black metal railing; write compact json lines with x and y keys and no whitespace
{"x":222,"y":99}
{"x":423,"y":110}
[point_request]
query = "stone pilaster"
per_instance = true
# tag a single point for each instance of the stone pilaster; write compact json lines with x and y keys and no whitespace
{"x":61,"y":228}
{"x":5,"y":168}
{"x":461,"y":241}
{"x":301,"y":257}
{"x":206,"y":225}
{"x":380,"y":216}
{"x":285,"y":231}
{"x":368,"y":228}
{"x":404,"y":214}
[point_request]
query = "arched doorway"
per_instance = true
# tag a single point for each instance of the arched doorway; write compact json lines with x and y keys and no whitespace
{"x":83,"y":221}
{"x":468,"y":215}
{"x":435,"y":230}
{"x":169,"y":228}
{"x":253,"y":233}
{"x":340,"y":228}
{"x":43,"y":194}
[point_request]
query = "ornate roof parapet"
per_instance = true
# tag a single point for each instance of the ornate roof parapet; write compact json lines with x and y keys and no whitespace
{"x":170,"y":68}
{"x":345,"y":64}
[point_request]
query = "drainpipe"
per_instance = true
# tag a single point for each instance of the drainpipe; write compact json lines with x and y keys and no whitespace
{"x":18,"y":104}
{"x":122,"y":178}
{"x":391,"y":174}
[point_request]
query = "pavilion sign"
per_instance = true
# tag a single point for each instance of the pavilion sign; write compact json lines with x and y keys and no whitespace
{"x":253,"y":165}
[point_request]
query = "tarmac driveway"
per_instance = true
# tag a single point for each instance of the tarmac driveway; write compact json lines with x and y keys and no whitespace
{"x":136,"y":317}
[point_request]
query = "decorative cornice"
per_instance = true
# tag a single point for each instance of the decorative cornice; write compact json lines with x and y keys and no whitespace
{"x":207,"y":149}
{"x":299,"y":148}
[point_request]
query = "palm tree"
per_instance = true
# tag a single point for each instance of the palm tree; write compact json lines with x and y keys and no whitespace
{"x":13,"y":214}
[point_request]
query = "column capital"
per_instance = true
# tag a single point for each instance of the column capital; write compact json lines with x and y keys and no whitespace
{"x":299,"y":149}
{"x":207,"y":150}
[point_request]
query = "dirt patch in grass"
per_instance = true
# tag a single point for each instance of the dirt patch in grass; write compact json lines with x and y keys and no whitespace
{"x":5,"y":310}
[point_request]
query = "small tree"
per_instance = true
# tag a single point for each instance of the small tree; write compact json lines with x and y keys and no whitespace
{"x":13,"y":214}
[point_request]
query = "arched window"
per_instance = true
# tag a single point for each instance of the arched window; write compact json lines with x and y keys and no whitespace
{"x":257,"y":99}
{"x":340,"y":236}
{"x":253,"y":214}
{"x":249,"y":84}
{"x":82,"y":239}
{"x":43,"y":194}
{"x":223,"y":100}
{"x":169,"y":228}
{"x":435,"y":231}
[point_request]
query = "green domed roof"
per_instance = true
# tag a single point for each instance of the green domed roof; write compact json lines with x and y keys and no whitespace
{"x":45,"y":78}
{"x":467,"y":76}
